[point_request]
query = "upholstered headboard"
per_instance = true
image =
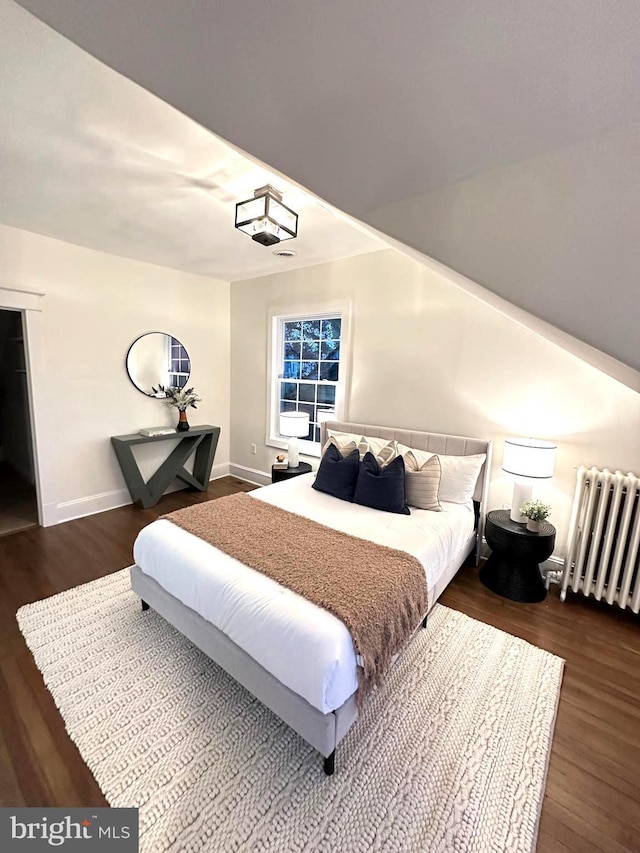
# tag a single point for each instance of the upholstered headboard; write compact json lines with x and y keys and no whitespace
{"x":432,"y":442}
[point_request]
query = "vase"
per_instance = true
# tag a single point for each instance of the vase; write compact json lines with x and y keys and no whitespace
{"x":183,"y":423}
{"x":533,"y":526}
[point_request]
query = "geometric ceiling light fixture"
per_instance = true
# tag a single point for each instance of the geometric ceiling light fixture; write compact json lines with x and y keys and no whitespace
{"x":265,"y":218}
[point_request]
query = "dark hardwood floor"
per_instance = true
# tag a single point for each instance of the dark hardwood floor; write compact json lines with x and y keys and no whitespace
{"x":592,"y":800}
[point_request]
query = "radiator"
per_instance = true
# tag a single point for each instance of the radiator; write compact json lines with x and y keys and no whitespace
{"x":603,"y":548}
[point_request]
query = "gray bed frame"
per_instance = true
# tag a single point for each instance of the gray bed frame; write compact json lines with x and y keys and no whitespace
{"x":322,"y":731}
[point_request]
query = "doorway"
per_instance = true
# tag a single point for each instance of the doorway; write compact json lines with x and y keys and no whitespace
{"x":18,"y":498}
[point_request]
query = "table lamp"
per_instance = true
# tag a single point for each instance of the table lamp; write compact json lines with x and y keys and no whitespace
{"x":325,"y":415}
{"x":294,"y":425}
{"x":528,"y":459}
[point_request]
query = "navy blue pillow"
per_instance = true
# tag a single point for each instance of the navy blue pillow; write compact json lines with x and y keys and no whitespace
{"x":382,"y":488}
{"x":337,"y":474}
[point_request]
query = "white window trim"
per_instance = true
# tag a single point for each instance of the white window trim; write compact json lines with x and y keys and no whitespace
{"x":291,"y":311}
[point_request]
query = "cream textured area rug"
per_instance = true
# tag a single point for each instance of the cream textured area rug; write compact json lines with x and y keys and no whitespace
{"x":451,"y":755}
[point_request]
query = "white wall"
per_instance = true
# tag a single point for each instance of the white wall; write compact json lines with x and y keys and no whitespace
{"x":425,"y":355}
{"x":428,"y":356}
{"x":555,"y":235}
{"x":94,"y":306}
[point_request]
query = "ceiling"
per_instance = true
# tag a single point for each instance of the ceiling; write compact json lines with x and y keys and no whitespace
{"x":366,"y":102}
{"x":373,"y":105}
{"x":89,"y":157}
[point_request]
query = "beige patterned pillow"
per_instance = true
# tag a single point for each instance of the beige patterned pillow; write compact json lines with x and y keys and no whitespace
{"x":345,"y":447}
{"x":420,"y":456}
{"x":383,"y":449}
{"x":342,"y":439}
{"x":422,"y":480}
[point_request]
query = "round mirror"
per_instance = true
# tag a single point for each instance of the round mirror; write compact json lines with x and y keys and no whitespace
{"x":157,"y":359}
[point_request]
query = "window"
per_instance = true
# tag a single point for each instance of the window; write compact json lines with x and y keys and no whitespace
{"x":308,"y":364}
{"x":179,"y":365}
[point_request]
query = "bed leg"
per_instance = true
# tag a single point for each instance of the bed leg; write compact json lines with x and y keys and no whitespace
{"x":330,"y":763}
{"x":145,"y":606}
{"x":424,"y":622}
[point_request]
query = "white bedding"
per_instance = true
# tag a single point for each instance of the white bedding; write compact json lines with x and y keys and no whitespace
{"x":303,"y":646}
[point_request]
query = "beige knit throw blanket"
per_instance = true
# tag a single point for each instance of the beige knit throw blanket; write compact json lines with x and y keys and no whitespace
{"x":379,"y":593}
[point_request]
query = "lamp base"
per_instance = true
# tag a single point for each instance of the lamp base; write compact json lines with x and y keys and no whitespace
{"x":522,"y":491}
{"x":294,"y":453}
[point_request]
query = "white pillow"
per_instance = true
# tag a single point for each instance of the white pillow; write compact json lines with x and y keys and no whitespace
{"x":459,"y":473}
{"x":459,"y":477}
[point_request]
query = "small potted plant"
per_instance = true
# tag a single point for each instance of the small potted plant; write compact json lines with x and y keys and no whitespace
{"x":535,"y":511}
{"x":181,"y":399}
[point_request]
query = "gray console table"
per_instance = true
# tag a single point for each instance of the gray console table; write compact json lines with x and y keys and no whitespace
{"x":201,"y":440}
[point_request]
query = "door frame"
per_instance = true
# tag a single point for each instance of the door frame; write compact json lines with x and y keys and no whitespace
{"x":29,"y":304}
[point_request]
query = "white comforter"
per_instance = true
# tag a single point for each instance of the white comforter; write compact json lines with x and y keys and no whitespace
{"x":303,"y":646}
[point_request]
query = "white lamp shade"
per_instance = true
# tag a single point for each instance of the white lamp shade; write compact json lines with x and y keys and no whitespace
{"x":529,"y":457}
{"x":294,"y":424}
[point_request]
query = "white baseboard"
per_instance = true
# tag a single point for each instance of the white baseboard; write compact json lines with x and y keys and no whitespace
{"x":250,"y":475}
{"x":58,"y":513}
{"x":219,"y":471}
{"x":68,"y":510}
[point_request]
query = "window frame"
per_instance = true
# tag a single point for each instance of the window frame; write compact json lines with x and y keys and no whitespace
{"x":278,"y":316}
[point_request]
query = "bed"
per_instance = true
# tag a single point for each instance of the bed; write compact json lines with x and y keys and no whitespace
{"x":265,"y":636}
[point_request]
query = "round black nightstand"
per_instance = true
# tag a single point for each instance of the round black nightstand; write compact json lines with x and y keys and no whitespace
{"x":512,"y":569}
{"x":278,"y":474}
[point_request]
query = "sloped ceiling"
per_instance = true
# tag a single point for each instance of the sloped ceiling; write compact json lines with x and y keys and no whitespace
{"x":89,"y":157}
{"x":384,"y":109}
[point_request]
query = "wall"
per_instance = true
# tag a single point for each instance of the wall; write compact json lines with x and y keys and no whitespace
{"x":94,"y":306}
{"x":427,"y":355}
{"x":555,"y":235}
